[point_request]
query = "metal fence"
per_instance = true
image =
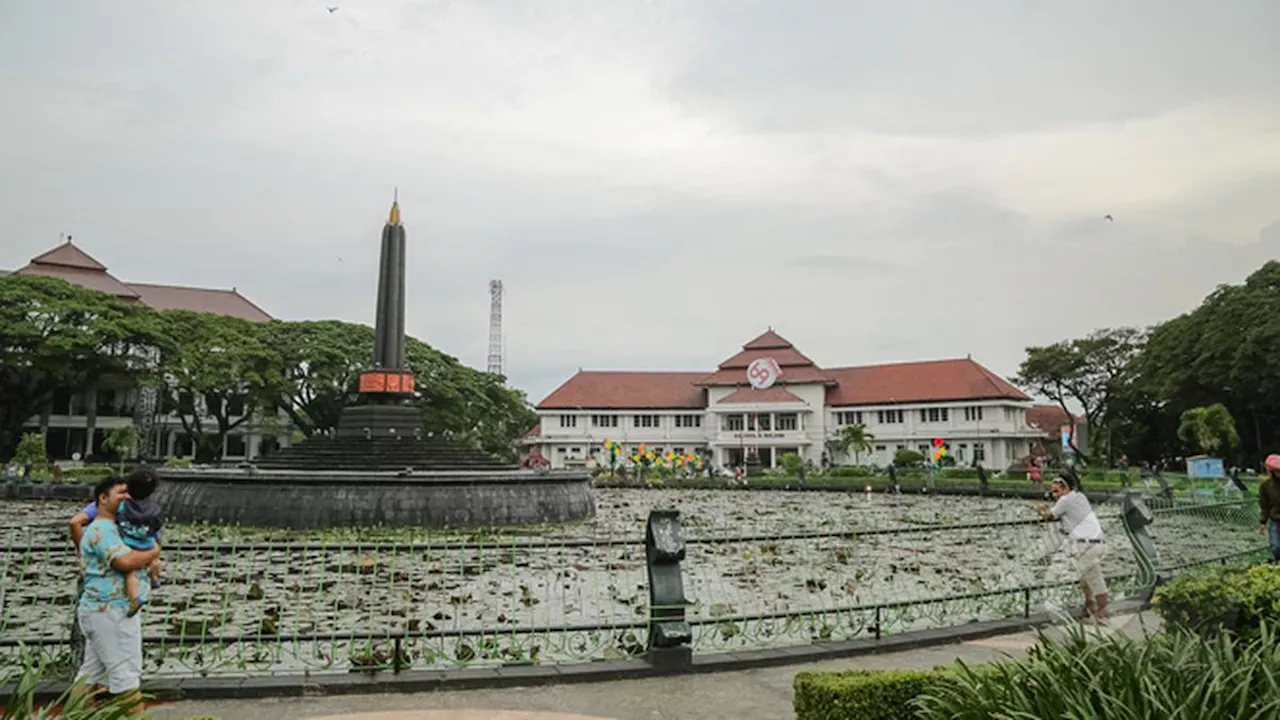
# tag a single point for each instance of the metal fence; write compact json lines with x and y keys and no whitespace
{"x":283,"y":607}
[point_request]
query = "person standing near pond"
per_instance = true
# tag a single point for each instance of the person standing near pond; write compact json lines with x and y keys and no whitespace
{"x":113,"y":637}
{"x":1269,"y":505}
{"x":1086,"y":543}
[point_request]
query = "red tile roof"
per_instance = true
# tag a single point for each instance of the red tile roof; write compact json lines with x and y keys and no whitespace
{"x":627,"y":391}
{"x":775,"y":394}
{"x":929,"y":381}
{"x":796,"y":366}
{"x":219,"y":302}
{"x":912,"y":382}
{"x":68,"y":262}
{"x":1049,"y":418}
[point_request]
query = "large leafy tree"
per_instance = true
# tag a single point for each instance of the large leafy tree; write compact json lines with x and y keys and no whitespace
{"x":466,"y":404}
{"x":217,"y":376}
{"x":322,"y":361}
{"x":1225,"y":351}
{"x":59,"y":336}
{"x":1090,"y":372}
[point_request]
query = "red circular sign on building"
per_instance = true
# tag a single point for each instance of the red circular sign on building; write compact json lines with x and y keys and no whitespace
{"x":763,"y":372}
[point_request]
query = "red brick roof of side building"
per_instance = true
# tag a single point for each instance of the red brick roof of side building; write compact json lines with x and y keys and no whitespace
{"x":910,"y":382}
{"x":1050,"y":418}
{"x":68,"y":262}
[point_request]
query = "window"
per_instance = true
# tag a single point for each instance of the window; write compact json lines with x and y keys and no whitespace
{"x":645,"y":421}
{"x":733,"y":422}
{"x":688,"y":421}
{"x":568,"y":421}
{"x":788,"y":421}
{"x":235,"y":446}
{"x":849,"y":417}
{"x":964,"y":448}
{"x":923,"y":450}
{"x":235,"y":405}
{"x":880,"y":448}
{"x":605,"y":421}
{"x":973,"y":414}
{"x":765,"y":422}
{"x":979,"y":452}
{"x":889,"y":417}
{"x":934,"y":415}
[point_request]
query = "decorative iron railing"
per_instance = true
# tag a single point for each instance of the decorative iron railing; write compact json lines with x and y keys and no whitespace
{"x":277,"y":606}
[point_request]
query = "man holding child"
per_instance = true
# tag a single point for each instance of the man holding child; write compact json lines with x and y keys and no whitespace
{"x":107,"y":617}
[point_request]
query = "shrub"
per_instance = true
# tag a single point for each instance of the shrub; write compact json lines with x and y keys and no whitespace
{"x":862,"y":694}
{"x":1237,"y":599}
{"x":854,"y":471}
{"x":88,"y":472}
{"x":907,"y":458}
{"x":791,"y":463}
{"x":24,"y":684}
{"x":31,"y":450}
{"x":959,"y":473}
{"x":1177,"y":675}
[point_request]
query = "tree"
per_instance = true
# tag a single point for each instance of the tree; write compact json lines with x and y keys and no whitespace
{"x":1089,"y":371}
{"x":855,"y":438}
{"x":905,"y":458}
{"x":1209,"y":429}
{"x":321,"y":363}
{"x":1225,"y":351}
{"x":221,"y":369}
{"x":465,"y":404}
{"x":122,"y":440}
{"x":59,"y":336}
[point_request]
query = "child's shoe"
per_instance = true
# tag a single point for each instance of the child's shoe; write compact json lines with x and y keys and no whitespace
{"x":134,"y":607}
{"x":155,"y":583}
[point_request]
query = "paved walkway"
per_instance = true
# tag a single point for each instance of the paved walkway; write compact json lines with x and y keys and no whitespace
{"x":761,"y":694}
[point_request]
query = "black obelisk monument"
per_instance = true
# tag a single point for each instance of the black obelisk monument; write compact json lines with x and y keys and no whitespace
{"x":383,"y":388}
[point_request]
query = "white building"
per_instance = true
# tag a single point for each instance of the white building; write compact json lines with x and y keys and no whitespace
{"x":978,"y":414}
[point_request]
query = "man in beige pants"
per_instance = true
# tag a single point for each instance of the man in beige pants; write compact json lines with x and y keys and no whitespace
{"x":1086,"y":544}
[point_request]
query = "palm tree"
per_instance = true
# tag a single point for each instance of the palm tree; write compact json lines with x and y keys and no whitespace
{"x":855,"y":438}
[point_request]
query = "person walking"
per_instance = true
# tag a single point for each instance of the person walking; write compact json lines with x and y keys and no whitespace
{"x":1269,"y":505}
{"x":1086,"y":543}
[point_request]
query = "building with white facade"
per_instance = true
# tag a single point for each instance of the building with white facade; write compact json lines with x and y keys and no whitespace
{"x":980,"y":416}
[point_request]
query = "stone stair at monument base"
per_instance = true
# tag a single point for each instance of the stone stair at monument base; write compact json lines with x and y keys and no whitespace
{"x":320,"y":454}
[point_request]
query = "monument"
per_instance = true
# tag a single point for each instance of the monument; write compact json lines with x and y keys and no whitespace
{"x":379,"y":468}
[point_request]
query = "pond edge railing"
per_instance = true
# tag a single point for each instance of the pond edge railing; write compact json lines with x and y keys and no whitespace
{"x":669,"y":632}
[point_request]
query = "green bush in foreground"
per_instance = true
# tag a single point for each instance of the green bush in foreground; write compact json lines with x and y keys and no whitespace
{"x":1234,"y":598}
{"x":1179,"y":675}
{"x":862,"y":694}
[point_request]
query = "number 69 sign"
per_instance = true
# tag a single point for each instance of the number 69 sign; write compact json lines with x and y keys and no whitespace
{"x":762,"y":373}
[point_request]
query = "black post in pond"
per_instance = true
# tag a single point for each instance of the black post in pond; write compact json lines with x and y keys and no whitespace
{"x":669,"y":633}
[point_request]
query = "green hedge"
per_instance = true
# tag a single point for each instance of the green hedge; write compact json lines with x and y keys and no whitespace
{"x":1234,"y":598}
{"x":88,"y":471}
{"x":863,"y":694}
{"x":1178,"y":675}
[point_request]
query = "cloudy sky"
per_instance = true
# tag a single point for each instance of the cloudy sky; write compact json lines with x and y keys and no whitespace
{"x":656,"y":182}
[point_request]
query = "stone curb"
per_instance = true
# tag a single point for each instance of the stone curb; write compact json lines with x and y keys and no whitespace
{"x":411,"y":681}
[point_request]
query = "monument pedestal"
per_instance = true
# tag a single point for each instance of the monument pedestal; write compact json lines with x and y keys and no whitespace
{"x":380,"y":421}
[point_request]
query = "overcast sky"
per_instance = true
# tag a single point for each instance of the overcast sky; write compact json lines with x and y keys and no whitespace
{"x":656,"y":182}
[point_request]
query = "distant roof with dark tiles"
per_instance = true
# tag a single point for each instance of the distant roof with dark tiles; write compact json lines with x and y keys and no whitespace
{"x":68,"y":262}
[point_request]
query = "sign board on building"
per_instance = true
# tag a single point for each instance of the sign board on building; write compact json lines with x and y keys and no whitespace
{"x":763,"y":372}
{"x":754,"y":435}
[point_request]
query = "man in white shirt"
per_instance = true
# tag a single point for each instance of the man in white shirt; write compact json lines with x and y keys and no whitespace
{"x":1086,"y":544}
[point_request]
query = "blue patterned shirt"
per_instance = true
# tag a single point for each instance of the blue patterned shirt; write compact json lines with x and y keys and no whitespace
{"x":103,"y":584}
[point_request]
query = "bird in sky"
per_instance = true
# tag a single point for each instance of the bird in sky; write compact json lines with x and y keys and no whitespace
{"x":331,"y":8}
{"x":1108,"y":218}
